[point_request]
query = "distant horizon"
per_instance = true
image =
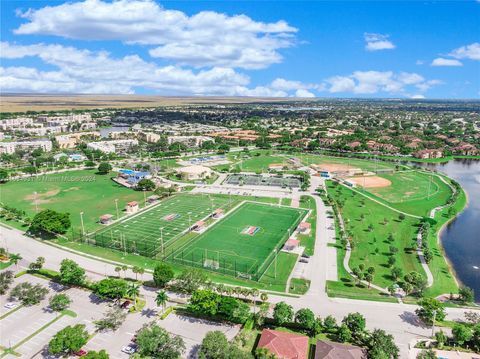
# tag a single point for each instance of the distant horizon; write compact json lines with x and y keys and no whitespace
{"x":309,"y":49}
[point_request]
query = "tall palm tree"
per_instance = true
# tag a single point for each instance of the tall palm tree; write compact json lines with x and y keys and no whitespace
{"x":263,"y":297}
{"x":118,"y":270}
{"x":141,"y":271}
{"x":124,"y":269}
{"x":255,"y":292}
{"x":15,"y":258}
{"x":133,"y":291}
{"x":135,"y":271}
{"x":161,"y":299}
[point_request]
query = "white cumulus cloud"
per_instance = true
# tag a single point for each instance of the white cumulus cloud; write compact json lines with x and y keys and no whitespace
{"x":441,"y":61}
{"x":471,"y":52}
{"x":207,"y":38}
{"x":376,"y":42}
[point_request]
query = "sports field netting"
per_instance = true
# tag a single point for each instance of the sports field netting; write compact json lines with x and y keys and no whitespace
{"x":257,"y":180}
{"x":244,"y":243}
{"x":155,"y":229}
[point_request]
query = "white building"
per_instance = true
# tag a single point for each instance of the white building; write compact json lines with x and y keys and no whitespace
{"x":11,"y":123}
{"x":191,"y":141}
{"x":112,"y":146}
{"x":11,"y":147}
{"x":194,"y":172}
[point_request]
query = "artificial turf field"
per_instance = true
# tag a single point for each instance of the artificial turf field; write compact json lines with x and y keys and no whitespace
{"x":141,"y":233}
{"x":226,"y":248}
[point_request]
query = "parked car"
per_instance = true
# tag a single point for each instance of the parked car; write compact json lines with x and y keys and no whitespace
{"x":303,"y":260}
{"x":81,"y":353}
{"x":305,"y":255}
{"x":129,"y":349}
{"x":10,"y":305}
{"x":125,"y":304}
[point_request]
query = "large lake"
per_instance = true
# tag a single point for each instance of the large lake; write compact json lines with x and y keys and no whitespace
{"x":461,"y":238}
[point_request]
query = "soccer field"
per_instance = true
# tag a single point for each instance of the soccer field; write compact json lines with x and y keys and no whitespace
{"x":244,"y":243}
{"x":145,"y":233}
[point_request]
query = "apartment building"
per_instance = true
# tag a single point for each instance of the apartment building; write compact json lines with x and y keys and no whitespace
{"x":11,"y":147}
{"x":115,"y":146}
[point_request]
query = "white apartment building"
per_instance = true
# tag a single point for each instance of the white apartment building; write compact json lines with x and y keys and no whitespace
{"x":112,"y":146}
{"x":195,"y":141}
{"x":150,"y":137}
{"x":11,"y":147}
{"x":71,"y":140}
{"x":11,"y":123}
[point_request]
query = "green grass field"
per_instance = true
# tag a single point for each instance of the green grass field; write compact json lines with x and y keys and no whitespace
{"x":227,"y":248}
{"x":145,"y":231}
{"x":366,"y":165}
{"x":72,"y":192}
{"x":371,"y":246}
{"x":414,"y":192}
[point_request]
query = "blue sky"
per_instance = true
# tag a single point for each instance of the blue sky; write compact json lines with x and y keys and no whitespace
{"x":409,"y":49}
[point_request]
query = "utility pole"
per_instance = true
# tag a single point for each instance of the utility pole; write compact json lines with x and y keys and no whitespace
{"x":36,"y":202}
{"x":81,"y":221}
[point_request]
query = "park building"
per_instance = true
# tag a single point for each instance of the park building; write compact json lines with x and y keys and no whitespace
{"x":194,"y":172}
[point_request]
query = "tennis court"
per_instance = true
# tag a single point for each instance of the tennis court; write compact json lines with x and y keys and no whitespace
{"x":244,"y":243}
{"x":148,"y":231}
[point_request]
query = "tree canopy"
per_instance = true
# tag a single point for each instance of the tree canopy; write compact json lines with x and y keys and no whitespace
{"x":51,"y":221}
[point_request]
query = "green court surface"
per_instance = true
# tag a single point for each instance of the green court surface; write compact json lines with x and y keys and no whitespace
{"x":227,"y":247}
{"x":148,"y":231}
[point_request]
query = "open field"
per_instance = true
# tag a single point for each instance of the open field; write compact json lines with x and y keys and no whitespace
{"x":26,"y":102}
{"x":244,"y":243}
{"x":261,"y":163}
{"x":71,"y":192}
{"x":414,"y":192}
{"x":365,"y":221}
{"x":365,"y":165}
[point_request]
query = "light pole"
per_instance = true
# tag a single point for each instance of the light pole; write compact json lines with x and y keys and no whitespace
{"x":81,"y":221}
{"x":116,"y":206}
{"x":36,"y":202}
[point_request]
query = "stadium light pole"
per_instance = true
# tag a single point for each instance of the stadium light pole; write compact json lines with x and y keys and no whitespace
{"x":116,"y":207}
{"x":36,"y":202}
{"x":81,"y":221}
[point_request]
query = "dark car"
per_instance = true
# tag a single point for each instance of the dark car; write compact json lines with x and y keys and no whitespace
{"x":81,"y":353}
{"x":303,"y":260}
{"x":305,"y":255}
{"x":125,"y":304}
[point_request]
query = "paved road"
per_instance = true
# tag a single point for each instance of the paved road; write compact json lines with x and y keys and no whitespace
{"x":397,"y":319}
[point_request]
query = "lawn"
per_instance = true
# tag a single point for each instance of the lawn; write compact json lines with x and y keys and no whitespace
{"x":244,"y":243}
{"x":261,"y":163}
{"x":152,"y":230}
{"x":371,"y":245}
{"x":71,"y":192}
{"x":366,"y":165}
{"x":414,"y":192}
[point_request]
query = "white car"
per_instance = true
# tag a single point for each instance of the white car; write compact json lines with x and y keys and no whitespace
{"x":10,"y":305}
{"x":129,"y":349}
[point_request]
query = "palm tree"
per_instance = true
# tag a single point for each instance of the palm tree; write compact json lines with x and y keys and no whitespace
{"x":124,"y":269}
{"x":133,"y":291}
{"x":15,"y":258}
{"x":220,"y":288}
{"x":161,"y":299}
{"x":263,"y":297}
{"x":141,"y":271}
{"x":118,"y":270}
{"x":237,"y":291}
{"x":255,"y":292}
{"x":228,"y":291}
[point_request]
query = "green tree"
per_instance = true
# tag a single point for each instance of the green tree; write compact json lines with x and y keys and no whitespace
{"x":59,"y":302}
{"x":111,"y":288}
{"x":155,"y":342}
{"x":282,"y":313}
{"x":104,"y":168}
{"x":430,"y":311}
{"x":38,"y":264}
{"x":344,"y":334}
{"x":190,"y":280}
{"x":381,"y":345}
{"x":466,"y":295}
{"x":214,"y":346}
{"x":417,"y":281}
{"x":162,"y":274}
{"x":6,"y":280}
{"x":68,"y":340}
{"x":396,"y":273}
{"x":113,"y":319}
{"x":92,"y":354}
{"x":71,"y":273}
{"x":204,"y":302}
{"x":427,"y":354}
{"x":133,"y":290}
{"x":145,"y":185}
{"x":330,"y":324}
{"x":441,"y":339}
{"x":3,"y":175}
{"x":15,"y":258}
{"x":355,"y":322}
{"x":461,"y":334}
{"x":161,"y":299}
{"x":51,"y":222}
{"x":28,"y":293}
{"x":305,"y":318}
